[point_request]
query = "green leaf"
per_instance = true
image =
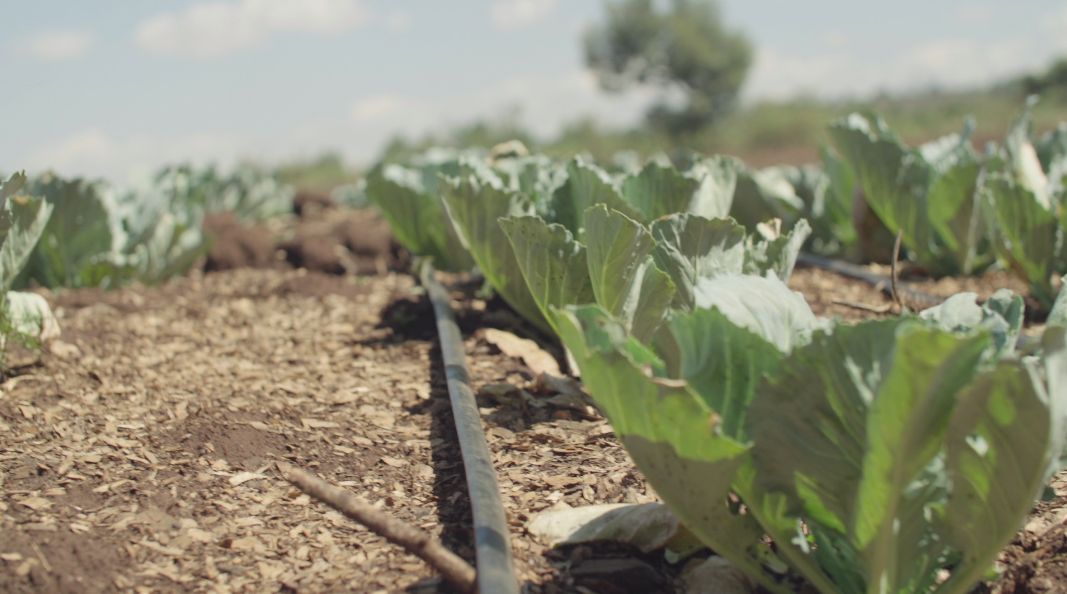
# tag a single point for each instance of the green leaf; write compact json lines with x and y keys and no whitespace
{"x":475,"y":201}
{"x":1001,"y":315}
{"x":170,"y":250}
{"x":838,"y":213}
{"x":1057,"y":315}
{"x":417,"y":217}
{"x":586,"y":186}
{"x":1027,"y":237}
{"x":1054,"y":344}
{"x":76,"y":244}
{"x":552,"y":263}
{"x":997,"y":443}
{"x":777,"y":254}
{"x":12,"y":186}
{"x":718,"y":181}
{"x":763,"y":195}
{"x":625,"y":279}
{"x":668,"y":431}
{"x":894,"y":179}
{"x":956,"y":214}
{"x":659,"y":190}
{"x":690,"y":247}
{"x":29,"y":315}
{"x":22,"y":224}
{"x":1022,"y":157}
{"x":723,"y":363}
{"x":763,"y":305}
{"x":850,"y":430}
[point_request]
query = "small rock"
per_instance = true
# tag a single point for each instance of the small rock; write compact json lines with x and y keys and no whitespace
{"x":717,"y":575}
{"x":626,"y":575}
{"x":64,"y":350}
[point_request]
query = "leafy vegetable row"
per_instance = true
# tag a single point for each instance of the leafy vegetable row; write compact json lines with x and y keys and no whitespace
{"x":960,"y":211}
{"x":99,"y":236}
{"x":892,"y":456}
{"x":76,"y":233}
{"x":896,"y":455}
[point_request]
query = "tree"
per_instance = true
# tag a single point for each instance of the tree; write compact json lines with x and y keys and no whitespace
{"x":685,"y":48}
{"x":1052,"y":82}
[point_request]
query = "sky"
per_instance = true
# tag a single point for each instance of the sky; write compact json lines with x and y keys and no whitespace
{"x":117,"y":88}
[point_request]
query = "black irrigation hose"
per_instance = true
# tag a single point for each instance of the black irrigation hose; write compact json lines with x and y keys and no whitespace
{"x":918,"y":299}
{"x":496,"y":571}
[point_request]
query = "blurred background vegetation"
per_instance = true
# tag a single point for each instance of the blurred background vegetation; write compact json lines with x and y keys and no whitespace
{"x":683,"y":48}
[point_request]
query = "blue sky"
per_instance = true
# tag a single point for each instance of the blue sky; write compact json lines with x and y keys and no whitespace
{"x":116,"y":88}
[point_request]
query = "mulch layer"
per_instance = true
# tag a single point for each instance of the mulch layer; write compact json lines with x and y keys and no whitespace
{"x":138,"y":451}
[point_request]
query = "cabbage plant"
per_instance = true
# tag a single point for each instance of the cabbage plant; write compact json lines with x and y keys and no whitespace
{"x":407,"y":198}
{"x":1022,"y":196}
{"x":893,"y":456}
{"x":929,"y":193}
{"x":480,"y":195}
{"x":638,"y":273}
{"x":22,"y":221}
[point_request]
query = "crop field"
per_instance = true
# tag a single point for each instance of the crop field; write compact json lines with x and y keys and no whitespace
{"x":693,"y":375}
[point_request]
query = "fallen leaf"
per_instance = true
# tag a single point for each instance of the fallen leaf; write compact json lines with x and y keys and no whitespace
{"x":247,"y":543}
{"x":36,"y":503}
{"x":394,"y":462}
{"x":244,"y":477}
{"x":12,"y":557}
{"x":533,"y":355}
{"x":317,"y":424}
{"x":24,"y":568}
{"x":200,"y":535}
{"x":270,"y":571}
{"x":155,"y":546}
{"x":64,"y":350}
{"x":648,"y":526}
{"x":562,"y":481}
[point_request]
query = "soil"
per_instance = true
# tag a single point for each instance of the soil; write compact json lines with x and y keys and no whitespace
{"x":138,"y":451}
{"x":320,"y":238}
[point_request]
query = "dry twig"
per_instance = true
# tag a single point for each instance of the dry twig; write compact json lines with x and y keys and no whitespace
{"x":453,"y":569}
{"x":895,"y":274}
{"x":880,"y":309}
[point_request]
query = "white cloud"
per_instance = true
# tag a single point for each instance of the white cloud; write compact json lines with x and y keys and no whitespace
{"x":546,"y":104}
{"x":59,"y":45}
{"x":398,"y":21}
{"x":378,"y":107}
{"x":93,"y":153}
{"x":947,"y":63}
{"x":509,"y":14}
{"x":216,"y":27}
{"x":960,"y":61}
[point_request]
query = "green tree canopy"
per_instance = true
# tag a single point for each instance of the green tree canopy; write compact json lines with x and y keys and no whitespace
{"x":685,"y":48}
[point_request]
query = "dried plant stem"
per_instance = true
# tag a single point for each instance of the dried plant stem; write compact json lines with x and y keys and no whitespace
{"x":457,"y":572}
{"x":879,"y":309}
{"x":895,"y":274}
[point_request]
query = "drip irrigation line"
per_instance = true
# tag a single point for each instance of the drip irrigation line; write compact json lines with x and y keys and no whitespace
{"x":885,"y":283}
{"x":496,"y":571}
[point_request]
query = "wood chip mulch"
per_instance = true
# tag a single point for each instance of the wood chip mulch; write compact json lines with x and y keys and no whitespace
{"x":138,"y":451}
{"x":137,"y":454}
